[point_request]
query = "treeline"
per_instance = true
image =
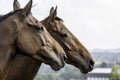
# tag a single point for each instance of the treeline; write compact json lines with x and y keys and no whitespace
{"x":69,"y":73}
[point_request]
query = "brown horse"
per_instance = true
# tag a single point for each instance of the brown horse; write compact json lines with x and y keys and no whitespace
{"x":21,"y":32}
{"x":76,"y":52}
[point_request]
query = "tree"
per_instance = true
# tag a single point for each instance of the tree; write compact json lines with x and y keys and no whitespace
{"x":115,"y":75}
{"x":103,"y":65}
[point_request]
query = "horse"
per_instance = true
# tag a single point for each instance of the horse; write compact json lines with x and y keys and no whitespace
{"x":21,"y":32}
{"x":77,"y":54}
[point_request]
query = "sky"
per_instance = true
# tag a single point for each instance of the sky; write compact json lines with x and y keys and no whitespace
{"x":96,"y":23}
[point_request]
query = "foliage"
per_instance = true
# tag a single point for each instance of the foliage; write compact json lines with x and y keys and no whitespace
{"x":69,"y":73}
{"x":103,"y":58}
{"x":115,"y":75}
{"x":103,"y":65}
{"x":48,"y":77}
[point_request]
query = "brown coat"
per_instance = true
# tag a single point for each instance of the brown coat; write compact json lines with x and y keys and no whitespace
{"x":77,"y":54}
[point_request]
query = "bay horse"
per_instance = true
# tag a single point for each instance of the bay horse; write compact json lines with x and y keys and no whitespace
{"x":21,"y":32}
{"x":77,"y":54}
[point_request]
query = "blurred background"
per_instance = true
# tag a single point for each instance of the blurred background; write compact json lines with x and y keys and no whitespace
{"x":96,"y":23}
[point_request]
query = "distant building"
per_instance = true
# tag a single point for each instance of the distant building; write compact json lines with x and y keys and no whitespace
{"x":99,"y":74}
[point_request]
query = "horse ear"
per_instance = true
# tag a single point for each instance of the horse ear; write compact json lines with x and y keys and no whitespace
{"x":16,"y":5}
{"x":27,"y":8}
{"x":53,"y":13}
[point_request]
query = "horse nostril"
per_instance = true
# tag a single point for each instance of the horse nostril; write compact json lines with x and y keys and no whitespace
{"x":92,"y":62}
{"x":65,"y":57}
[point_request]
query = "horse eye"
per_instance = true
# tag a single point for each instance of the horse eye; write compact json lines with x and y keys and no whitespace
{"x":29,"y":25}
{"x":39,"y":28}
{"x":63,"y":35}
{"x":54,"y":30}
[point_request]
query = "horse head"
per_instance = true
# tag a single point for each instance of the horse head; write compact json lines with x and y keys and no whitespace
{"x":24,"y":33}
{"x":77,"y":54}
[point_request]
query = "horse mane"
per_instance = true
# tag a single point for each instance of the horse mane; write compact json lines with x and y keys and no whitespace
{"x":56,"y":18}
{"x":3,"y":17}
{"x":59,"y":19}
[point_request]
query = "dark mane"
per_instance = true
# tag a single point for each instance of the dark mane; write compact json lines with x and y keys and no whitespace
{"x":3,"y":17}
{"x":56,"y":18}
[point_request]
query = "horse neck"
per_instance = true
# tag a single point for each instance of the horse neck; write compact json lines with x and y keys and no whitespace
{"x":7,"y":37}
{"x":26,"y":69}
{"x":5,"y":58}
{"x":6,"y":52}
